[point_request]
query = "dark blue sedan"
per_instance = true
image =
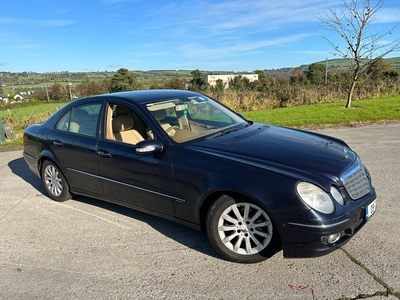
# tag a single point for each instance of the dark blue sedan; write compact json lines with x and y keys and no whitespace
{"x":254,"y":188}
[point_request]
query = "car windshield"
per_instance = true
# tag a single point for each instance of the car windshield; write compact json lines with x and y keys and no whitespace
{"x":185,"y":119}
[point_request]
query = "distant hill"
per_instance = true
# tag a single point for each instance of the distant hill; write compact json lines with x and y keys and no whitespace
{"x":338,"y":64}
{"x":342,"y":63}
{"x":14,"y":82}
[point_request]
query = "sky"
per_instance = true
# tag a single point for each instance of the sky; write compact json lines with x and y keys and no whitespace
{"x":210,"y":35}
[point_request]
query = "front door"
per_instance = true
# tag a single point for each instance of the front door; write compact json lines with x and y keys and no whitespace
{"x":132,"y":179}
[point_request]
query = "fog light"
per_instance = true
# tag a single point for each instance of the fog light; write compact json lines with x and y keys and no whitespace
{"x":331,"y":239}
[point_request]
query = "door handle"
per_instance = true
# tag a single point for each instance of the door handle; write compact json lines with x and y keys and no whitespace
{"x":104,"y":153}
{"x":58,"y":143}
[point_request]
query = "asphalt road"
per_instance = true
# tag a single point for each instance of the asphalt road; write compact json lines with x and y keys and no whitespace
{"x":88,"y":249}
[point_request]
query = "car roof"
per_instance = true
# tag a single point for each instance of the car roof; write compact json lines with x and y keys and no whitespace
{"x":145,"y":96}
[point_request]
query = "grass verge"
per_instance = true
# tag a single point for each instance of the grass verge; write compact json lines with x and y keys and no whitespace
{"x":363,"y":111}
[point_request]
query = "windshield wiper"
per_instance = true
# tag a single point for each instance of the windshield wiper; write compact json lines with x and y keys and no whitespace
{"x":249,"y":123}
{"x":223,"y":132}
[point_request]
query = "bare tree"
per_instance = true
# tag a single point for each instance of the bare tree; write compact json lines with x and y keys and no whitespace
{"x":354,"y":21}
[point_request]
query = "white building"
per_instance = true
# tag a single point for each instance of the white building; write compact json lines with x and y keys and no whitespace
{"x":3,"y":98}
{"x":212,"y":79}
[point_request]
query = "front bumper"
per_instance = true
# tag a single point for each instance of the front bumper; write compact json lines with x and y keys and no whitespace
{"x":301,"y":240}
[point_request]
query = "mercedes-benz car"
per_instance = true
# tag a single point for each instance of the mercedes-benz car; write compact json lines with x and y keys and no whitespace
{"x":254,"y":188}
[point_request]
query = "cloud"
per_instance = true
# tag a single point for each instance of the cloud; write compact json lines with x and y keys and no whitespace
{"x":204,"y":52}
{"x":3,"y":63}
{"x":388,"y":15}
{"x":114,"y":66}
{"x":221,"y":17}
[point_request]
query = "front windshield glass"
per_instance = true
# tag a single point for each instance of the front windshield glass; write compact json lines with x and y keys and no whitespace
{"x":185,"y":119}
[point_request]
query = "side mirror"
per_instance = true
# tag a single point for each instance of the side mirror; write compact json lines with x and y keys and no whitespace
{"x":149,"y":147}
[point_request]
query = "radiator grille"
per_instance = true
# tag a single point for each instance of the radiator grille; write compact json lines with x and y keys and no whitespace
{"x":356,"y":182}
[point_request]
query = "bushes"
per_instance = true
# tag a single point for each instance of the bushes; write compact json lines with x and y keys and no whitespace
{"x":288,"y":95}
{"x":21,"y":115}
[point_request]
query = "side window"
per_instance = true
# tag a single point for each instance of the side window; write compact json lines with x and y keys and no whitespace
{"x":63,"y":123}
{"x":82,"y":119}
{"x":125,"y":125}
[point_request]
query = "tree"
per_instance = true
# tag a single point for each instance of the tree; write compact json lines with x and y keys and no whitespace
{"x":316,"y":73}
{"x":237,"y":84}
{"x":198,"y":82}
{"x":58,"y":92}
{"x":379,"y":70}
{"x":264,"y":82}
{"x":123,"y":81}
{"x":353,"y":23}
{"x":219,"y":86}
{"x":41,"y":95}
{"x":90,"y":88}
{"x":176,"y":84}
{"x":298,"y":77}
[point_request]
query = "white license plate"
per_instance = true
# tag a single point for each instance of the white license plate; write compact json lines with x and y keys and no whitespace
{"x":370,"y":210}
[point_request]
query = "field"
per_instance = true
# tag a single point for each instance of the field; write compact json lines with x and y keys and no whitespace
{"x":15,"y":82}
{"x":363,"y":111}
{"x":332,"y":114}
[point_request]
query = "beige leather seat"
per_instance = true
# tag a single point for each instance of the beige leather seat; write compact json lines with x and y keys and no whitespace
{"x":123,"y":129}
{"x":78,"y":118}
{"x":160,"y":115}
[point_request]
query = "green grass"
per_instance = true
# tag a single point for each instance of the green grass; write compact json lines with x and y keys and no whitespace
{"x":24,"y":114}
{"x":363,"y":111}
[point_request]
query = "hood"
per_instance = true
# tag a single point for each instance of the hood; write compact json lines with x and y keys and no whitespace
{"x":286,"y":151}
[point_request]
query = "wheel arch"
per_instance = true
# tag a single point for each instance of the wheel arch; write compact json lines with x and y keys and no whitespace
{"x":47,"y":155}
{"x":208,"y":201}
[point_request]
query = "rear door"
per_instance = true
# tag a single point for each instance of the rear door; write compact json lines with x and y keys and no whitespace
{"x":73,"y":142}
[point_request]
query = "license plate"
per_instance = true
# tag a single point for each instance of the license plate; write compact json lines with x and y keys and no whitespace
{"x":370,"y":210}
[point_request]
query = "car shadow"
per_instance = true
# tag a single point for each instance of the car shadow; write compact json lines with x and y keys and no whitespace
{"x":20,"y":168}
{"x":186,"y":236}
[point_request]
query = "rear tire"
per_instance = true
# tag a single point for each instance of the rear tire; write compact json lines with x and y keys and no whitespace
{"x":240,"y":230}
{"x":54,"y":182}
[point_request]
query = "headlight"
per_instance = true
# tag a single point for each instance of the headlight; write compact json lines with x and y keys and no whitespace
{"x":337,"y":195}
{"x":315,"y":197}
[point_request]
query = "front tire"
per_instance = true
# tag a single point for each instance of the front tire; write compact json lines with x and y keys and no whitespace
{"x":240,"y":230}
{"x":54,"y":182}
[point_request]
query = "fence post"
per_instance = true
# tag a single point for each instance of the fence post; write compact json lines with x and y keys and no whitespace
{"x":2,"y":135}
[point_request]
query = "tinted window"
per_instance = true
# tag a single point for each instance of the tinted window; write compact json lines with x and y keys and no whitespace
{"x":82,"y":119}
{"x":185,"y":119}
{"x":63,"y":123}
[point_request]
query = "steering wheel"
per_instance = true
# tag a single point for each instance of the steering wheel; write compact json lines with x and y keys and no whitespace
{"x":171,"y":128}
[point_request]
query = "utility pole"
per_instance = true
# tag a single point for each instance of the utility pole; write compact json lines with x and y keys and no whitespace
{"x":47,"y":93}
{"x":70,"y":93}
{"x":326,"y":72}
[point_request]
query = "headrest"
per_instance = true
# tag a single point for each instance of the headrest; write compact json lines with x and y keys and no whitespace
{"x":181,"y":107}
{"x":120,"y":110}
{"x":81,"y":114}
{"x":159,"y":114}
{"x":122,"y":123}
